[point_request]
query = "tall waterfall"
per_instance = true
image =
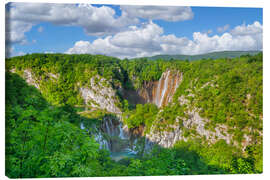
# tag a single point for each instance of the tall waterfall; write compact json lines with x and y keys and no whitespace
{"x":158,"y":92}
{"x":166,"y":87}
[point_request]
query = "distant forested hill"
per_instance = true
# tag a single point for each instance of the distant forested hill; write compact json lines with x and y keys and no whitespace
{"x":213,"y":55}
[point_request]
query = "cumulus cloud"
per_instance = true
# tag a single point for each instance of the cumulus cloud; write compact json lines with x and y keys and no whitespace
{"x":94,"y":20}
{"x":15,"y":31}
{"x":136,"y":41}
{"x":168,"y":13}
{"x":149,"y":40}
{"x":97,"y":21}
{"x":124,"y":35}
{"x":223,"y":28}
{"x":250,"y":29}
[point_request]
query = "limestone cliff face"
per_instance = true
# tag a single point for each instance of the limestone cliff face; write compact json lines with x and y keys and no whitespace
{"x":99,"y":94}
{"x":30,"y":79}
{"x":168,"y":135}
{"x":161,"y":92}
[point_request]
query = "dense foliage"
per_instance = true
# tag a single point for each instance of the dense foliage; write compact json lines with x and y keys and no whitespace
{"x":143,"y":115}
{"x":41,"y":141}
{"x":228,"y":91}
{"x":43,"y":137}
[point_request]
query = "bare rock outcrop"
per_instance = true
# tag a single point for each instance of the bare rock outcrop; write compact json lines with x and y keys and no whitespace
{"x":30,"y":79}
{"x":99,"y":94}
{"x":167,"y":136}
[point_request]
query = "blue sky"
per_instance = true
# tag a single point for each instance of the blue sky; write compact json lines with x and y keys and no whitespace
{"x":206,"y":18}
{"x":130,"y":31}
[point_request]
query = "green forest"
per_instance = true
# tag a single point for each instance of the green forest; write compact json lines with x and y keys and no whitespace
{"x":44,"y":137}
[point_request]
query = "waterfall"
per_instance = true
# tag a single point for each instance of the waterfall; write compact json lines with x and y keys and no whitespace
{"x":165,"y":87}
{"x":122,"y":134}
{"x":162,"y":88}
{"x":147,"y":146}
{"x":108,"y":128}
{"x":158,"y":90}
{"x":82,"y":126}
{"x":103,"y":143}
{"x":113,"y":136}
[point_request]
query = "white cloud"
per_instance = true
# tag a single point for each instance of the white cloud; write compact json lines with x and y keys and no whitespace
{"x":250,"y":29}
{"x":149,"y":40}
{"x":121,"y":36}
{"x":94,"y":20}
{"x":97,"y":21}
{"x":40,"y":29}
{"x":223,"y":28}
{"x":168,"y":13}
{"x":146,"y":37}
{"x":15,"y":31}
{"x":136,"y":41}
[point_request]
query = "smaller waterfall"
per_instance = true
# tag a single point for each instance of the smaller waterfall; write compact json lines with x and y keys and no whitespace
{"x":103,"y":144}
{"x":82,"y":126}
{"x":113,"y":135}
{"x":107,"y":126}
{"x":122,"y":134}
{"x":147,"y":145}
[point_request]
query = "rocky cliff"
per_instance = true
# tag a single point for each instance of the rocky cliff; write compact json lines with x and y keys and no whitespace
{"x":99,"y":94}
{"x":33,"y":80}
{"x":191,"y":126}
{"x":167,"y":136}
